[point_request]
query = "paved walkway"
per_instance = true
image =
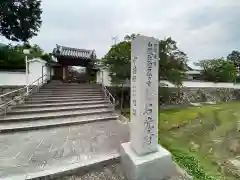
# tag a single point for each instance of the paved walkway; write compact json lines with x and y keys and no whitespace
{"x":114,"y":172}
{"x":27,"y":152}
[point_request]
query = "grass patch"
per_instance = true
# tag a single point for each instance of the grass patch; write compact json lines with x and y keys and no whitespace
{"x":191,"y":164}
{"x":199,"y":137}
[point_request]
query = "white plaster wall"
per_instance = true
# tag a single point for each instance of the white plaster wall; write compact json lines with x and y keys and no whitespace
{"x":99,"y":77}
{"x":103,"y":77}
{"x":35,"y":70}
{"x":199,"y":84}
{"x":106,"y":78}
{"x":12,"y":78}
{"x":19,"y":78}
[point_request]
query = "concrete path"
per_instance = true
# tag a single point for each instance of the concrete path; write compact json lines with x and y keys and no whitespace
{"x":28,"y":152}
{"x":114,"y":171}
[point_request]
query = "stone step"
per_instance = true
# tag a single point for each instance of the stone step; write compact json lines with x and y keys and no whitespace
{"x":42,"y":124}
{"x":59,"y":104}
{"x":64,"y":94}
{"x":44,"y":109}
{"x":71,"y":84}
{"x":66,"y":100}
{"x":64,"y":97}
{"x":70,"y":87}
{"x":52,"y":115}
{"x":68,"y":91}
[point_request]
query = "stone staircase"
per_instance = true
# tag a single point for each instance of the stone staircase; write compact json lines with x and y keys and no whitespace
{"x":59,"y":104}
{"x":64,"y":131}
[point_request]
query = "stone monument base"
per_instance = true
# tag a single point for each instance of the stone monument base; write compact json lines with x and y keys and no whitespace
{"x":154,"y":166}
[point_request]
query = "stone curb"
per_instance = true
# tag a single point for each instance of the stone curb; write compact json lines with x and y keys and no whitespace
{"x":75,"y":168}
{"x":45,"y":126}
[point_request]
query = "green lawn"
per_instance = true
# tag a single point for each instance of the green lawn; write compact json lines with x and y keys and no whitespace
{"x":200,"y":138}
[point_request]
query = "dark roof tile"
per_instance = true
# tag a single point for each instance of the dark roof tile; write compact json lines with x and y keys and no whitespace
{"x":73,"y":52}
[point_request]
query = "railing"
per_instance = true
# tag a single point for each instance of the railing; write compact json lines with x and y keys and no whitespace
{"x":108,"y":96}
{"x":13,"y":97}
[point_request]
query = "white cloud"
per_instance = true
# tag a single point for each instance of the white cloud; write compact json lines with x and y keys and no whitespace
{"x":203,"y":29}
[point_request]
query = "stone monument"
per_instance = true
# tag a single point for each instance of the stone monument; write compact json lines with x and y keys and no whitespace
{"x":142,"y":158}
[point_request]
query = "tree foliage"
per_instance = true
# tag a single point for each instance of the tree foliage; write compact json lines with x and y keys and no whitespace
{"x":234,"y":56}
{"x":35,"y":50}
{"x":46,"y":57}
{"x":131,"y":37}
{"x":218,"y":70}
{"x":173,"y":62}
{"x":20,"y":20}
{"x":171,"y":66}
{"x":12,"y":57}
{"x":118,"y":61}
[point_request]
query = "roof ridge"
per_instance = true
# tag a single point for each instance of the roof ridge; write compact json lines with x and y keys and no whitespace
{"x":73,"y":52}
{"x":77,"y":49}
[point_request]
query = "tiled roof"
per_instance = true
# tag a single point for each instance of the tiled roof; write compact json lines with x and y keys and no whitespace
{"x":73,"y":52}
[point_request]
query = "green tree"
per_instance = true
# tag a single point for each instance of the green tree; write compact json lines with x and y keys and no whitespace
{"x":173,"y":62}
{"x":118,"y":60}
{"x":46,"y":57}
{"x":218,"y":70}
{"x":20,"y":20}
{"x":171,"y":66}
{"x":130,"y":37}
{"x":234,"y":56}
{"x":35,"y":50}
{"x":12,"y":57}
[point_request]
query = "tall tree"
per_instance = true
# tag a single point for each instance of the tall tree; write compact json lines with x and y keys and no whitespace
{"x":20,"y":20}
{"x":118,"y":60}
{"x":173,"y":62}
{"x":234,"y":56}
{"x":12,"y":57}
{"x":35,"y":50}
{"x":171,"y":66}
{"x":218,"y":70}
{"x":130,"y":37}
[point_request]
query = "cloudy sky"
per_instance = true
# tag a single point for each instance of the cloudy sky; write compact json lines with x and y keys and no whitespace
{"x":203,"y":29}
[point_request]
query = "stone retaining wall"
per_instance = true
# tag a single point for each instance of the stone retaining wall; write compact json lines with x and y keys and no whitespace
{"x":6,"y":89}
{"x":169,"y":96}
{"x":183,"y":96}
